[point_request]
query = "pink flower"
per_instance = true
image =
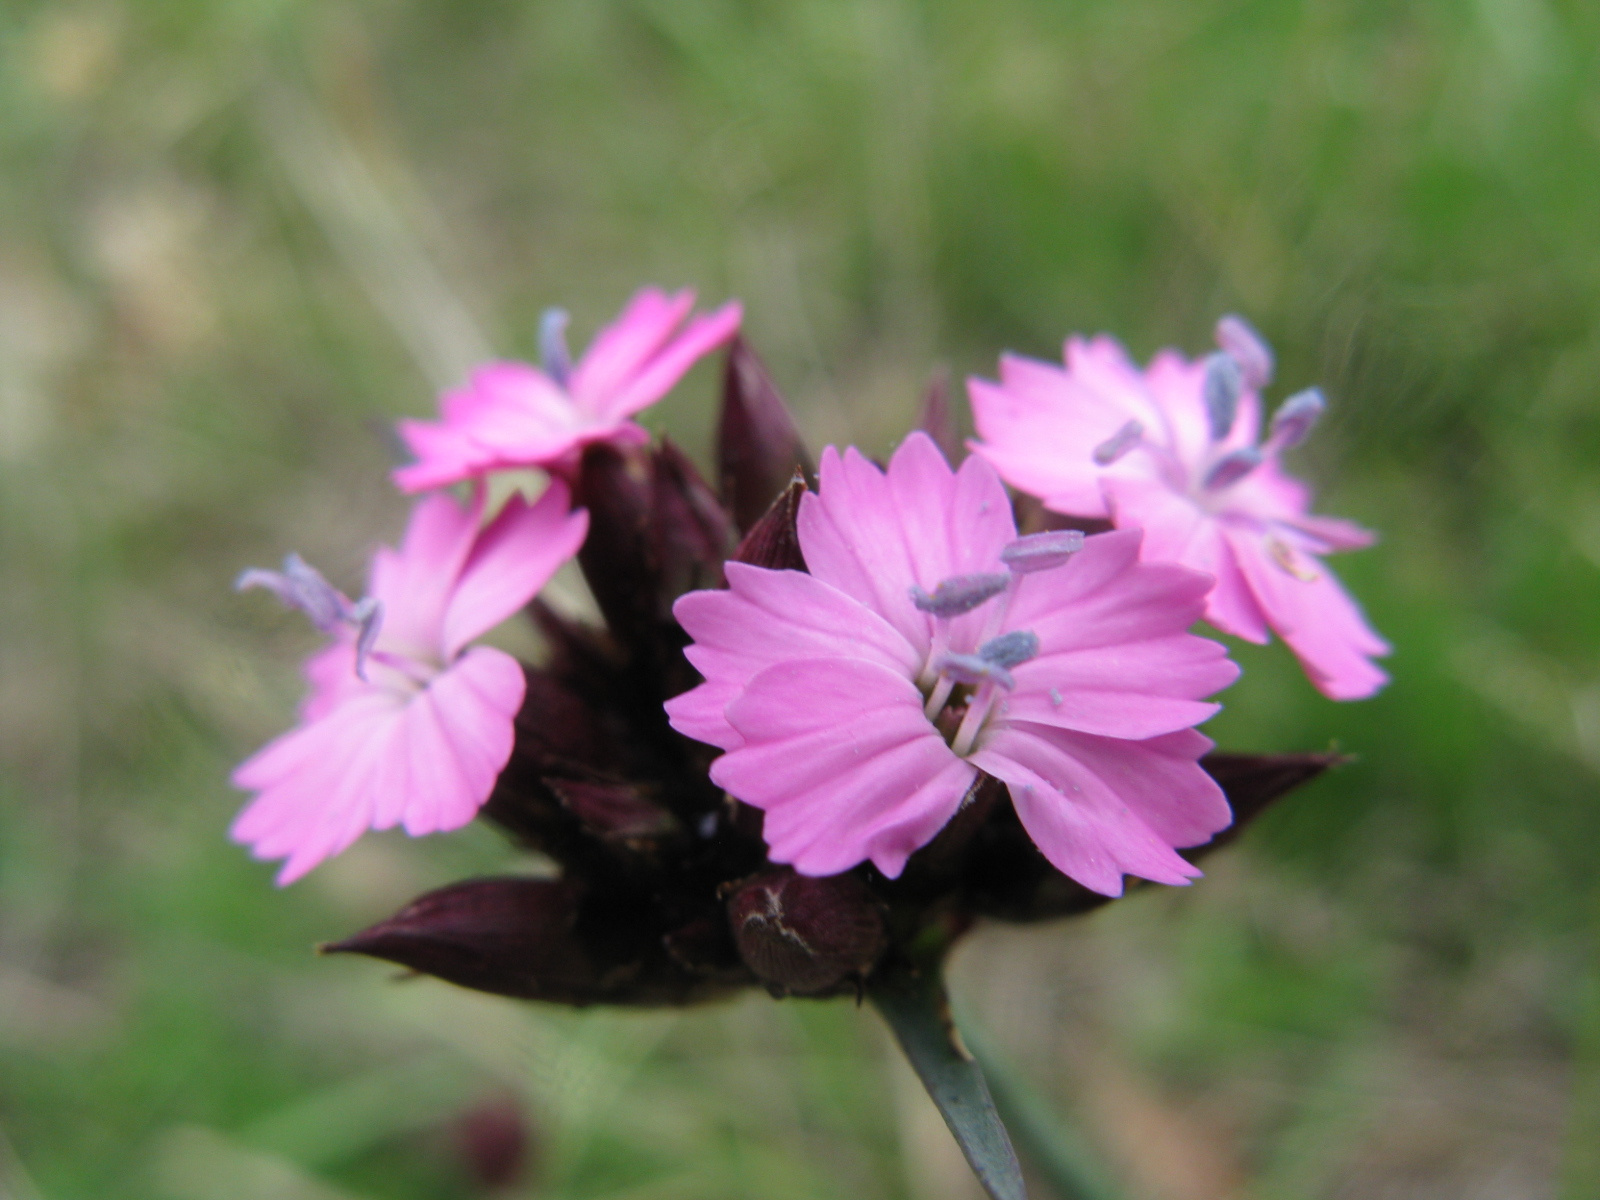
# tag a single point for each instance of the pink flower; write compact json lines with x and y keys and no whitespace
{"x":514,"y":415}
{"x":403,"y":726}
{"x":1174,"y":450}
{"x":858,"y":703}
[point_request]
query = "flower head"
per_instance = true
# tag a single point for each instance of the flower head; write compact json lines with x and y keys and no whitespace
{"x":857,"y":704}
{"x":404,"y":725}
{"x":1176,"y":450}
{"x":512,"y":414}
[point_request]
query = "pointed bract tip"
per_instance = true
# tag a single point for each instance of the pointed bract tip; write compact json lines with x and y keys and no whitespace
{"x":759,"y":446}
{"x":774,"y":541}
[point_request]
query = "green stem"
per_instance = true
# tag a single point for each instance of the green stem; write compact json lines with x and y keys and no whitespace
{"x":1061,"y":1159}
{"x":914,"y":1004}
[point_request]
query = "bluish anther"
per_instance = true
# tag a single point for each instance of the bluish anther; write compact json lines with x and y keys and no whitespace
{"x":1240,"y":342}
{"x":367,"y":616}
{"x":971,"y":669}
{"x":959,"y":594}
{"x":553,"y":345}
{"x":1296,"y":417}
{"x":300,"y":585}
{"x":1010,"y":649}
{"x":1118,"y":444}
{"x":1223,"y":383}
{"x":1231,"y":468}
{"x":1042,"y":551}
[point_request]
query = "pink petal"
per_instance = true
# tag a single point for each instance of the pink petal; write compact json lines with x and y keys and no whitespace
{"x":414,"y":585}
{"x":445,"y":454}
{"x":1170,"y":520}
{"x":510,"y":561}
{"x":379,"y":758}
{"x":766,"y":617}
{"x":621,"y":350}
{"x":1133,"y":690}
{"x":846,"y":767}
{"x":699,"y":338}
{"x":458,"y":738}
{"x":1088,"y":802}
{"x":313,"y":798}
{"x":1039,"y":429}
{"x":873,"y":535}
{"x":1316,"y":617}
{"x":1105,"y":597}
{"x":851,"y":538}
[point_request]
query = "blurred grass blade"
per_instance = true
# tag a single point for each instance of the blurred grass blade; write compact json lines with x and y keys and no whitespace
{"x":1069,"y":1166}
{"x":916,"y":1008}
{"x":371,"y":232}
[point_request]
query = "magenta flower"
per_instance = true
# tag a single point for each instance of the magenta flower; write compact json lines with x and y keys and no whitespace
{"x":511,"y":414}
{"x":858,"y":703}
{"x":1175,"y":450}
{"x":403,"y":726}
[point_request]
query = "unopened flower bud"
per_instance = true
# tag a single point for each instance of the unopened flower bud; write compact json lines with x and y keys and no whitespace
{"x":807,"y":935}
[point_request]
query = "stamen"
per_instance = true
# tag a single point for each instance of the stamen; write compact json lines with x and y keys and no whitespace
{"x":1223,"y":383}
{"x":1231,"y":468}
{"x":959,"y":594}
{"x":300,"y":585}
{"x":553,"y":345}
{"x":1296,"y":417}
{"x":1240,"y":342}
{"x":368,"y":619}
{"x":1010,"y":649}
{"x":1042,"y":551}
{"x":1118,"y":444}
{"x":1284,"y":556}
{"x":971,"y":669}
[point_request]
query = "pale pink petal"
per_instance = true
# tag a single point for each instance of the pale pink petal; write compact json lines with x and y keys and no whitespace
{"x":766,"y":617}
{"x":1176,"y":383}
{"x":841,"y":759}
{"x":701,"y":336}
{"x":1039,"y":429}
{"x":1105,"y":596}
{"x":1088,"y":824}
{"x":1133,"y":690}
{"x":332,"y":675}
{"x":1332,"y":533}
{"x":414,"y":585}
{"x":1170,"y":520}
{"x":1232,"y":605}
{"x":621,"y":349}
{"x":510,"y":561}
{"x":458,"y":735}
{"x":445,"y":454}
{"x":852,"y":539}
{"x":1311,"y":612}
{"x":314,"y":783}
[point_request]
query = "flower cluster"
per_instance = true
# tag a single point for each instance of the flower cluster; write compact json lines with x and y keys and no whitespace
{"x":832,"y":714}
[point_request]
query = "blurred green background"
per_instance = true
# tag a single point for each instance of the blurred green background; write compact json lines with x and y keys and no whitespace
{"x":237,"y":238}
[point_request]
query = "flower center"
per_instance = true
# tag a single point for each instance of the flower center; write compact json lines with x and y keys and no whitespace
{"x":960,"y":687}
